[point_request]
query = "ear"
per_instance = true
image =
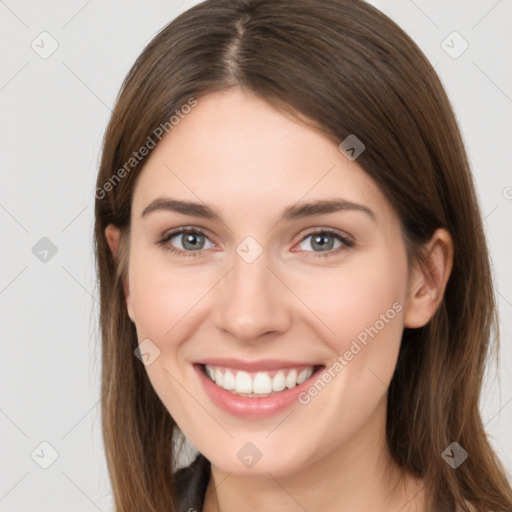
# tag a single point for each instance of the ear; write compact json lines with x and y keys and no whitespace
{"x":427,"y":285}
{"x":113,"y":236}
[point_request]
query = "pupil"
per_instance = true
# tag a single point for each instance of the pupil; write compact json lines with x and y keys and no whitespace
{"x":320,"y":241}
{"x":192,"y":239}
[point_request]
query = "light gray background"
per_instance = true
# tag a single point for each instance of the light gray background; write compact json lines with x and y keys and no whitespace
{"x":53,"y":115}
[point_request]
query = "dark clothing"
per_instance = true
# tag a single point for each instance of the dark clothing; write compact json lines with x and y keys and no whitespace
{"x":192,"y":481}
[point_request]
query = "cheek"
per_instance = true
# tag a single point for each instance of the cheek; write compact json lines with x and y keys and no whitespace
{"x":361,"y":309}
{"x":362,"y":306}
{"x":164,"y":301}
{"x":162,"y":295}
{"x":352,"y":298}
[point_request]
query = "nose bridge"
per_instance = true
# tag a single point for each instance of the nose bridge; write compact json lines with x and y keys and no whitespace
{"x":251,"y":303}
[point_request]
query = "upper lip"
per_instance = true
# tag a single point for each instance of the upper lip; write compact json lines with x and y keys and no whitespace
{"x":254,"y":366}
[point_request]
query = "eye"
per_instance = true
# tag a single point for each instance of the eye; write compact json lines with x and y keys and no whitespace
{"x":187,"y":240}
{"x":325,"y":240}
{"x":192,"y":241}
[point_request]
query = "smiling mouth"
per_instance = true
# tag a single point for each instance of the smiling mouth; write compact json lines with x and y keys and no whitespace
{"x":259,"y":384}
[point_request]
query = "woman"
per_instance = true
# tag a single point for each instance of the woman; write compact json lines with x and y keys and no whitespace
{"x":293,"y":271}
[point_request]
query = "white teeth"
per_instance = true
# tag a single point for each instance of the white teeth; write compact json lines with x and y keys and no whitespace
{"x":219,"y":378}
{"x":303,"y":375}
{"x":261,"y":383}
{"x":291,"y":379}
{"x":243,"y":382}
{"x":279,"y":381}
{"x":229,"y":381}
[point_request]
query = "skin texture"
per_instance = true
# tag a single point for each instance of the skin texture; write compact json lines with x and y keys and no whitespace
{"x":248,"y":161}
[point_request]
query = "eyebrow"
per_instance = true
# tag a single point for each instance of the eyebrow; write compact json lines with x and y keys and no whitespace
{"x":293,"y":212}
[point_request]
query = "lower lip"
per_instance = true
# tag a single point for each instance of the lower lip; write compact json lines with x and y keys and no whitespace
{"x":251,"y":407}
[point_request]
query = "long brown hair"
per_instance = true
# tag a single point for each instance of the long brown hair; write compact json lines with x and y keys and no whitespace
{"x":347,"y":69}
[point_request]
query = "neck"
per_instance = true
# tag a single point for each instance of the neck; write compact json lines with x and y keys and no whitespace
{"x":358,"y":475}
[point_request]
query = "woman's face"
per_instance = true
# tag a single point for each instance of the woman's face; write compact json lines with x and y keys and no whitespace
{"x":256,"y":290}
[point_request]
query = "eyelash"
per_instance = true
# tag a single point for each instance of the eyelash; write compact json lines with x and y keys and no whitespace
{"x":347,"y":243}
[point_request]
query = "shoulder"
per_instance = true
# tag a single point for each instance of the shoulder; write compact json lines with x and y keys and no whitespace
{"x":190,"y":483}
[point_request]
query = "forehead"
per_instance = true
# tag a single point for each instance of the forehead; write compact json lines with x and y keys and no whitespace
{"x":233,"y":150}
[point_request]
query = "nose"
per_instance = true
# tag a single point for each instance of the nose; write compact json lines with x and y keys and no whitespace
{"x":253,"y":301}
